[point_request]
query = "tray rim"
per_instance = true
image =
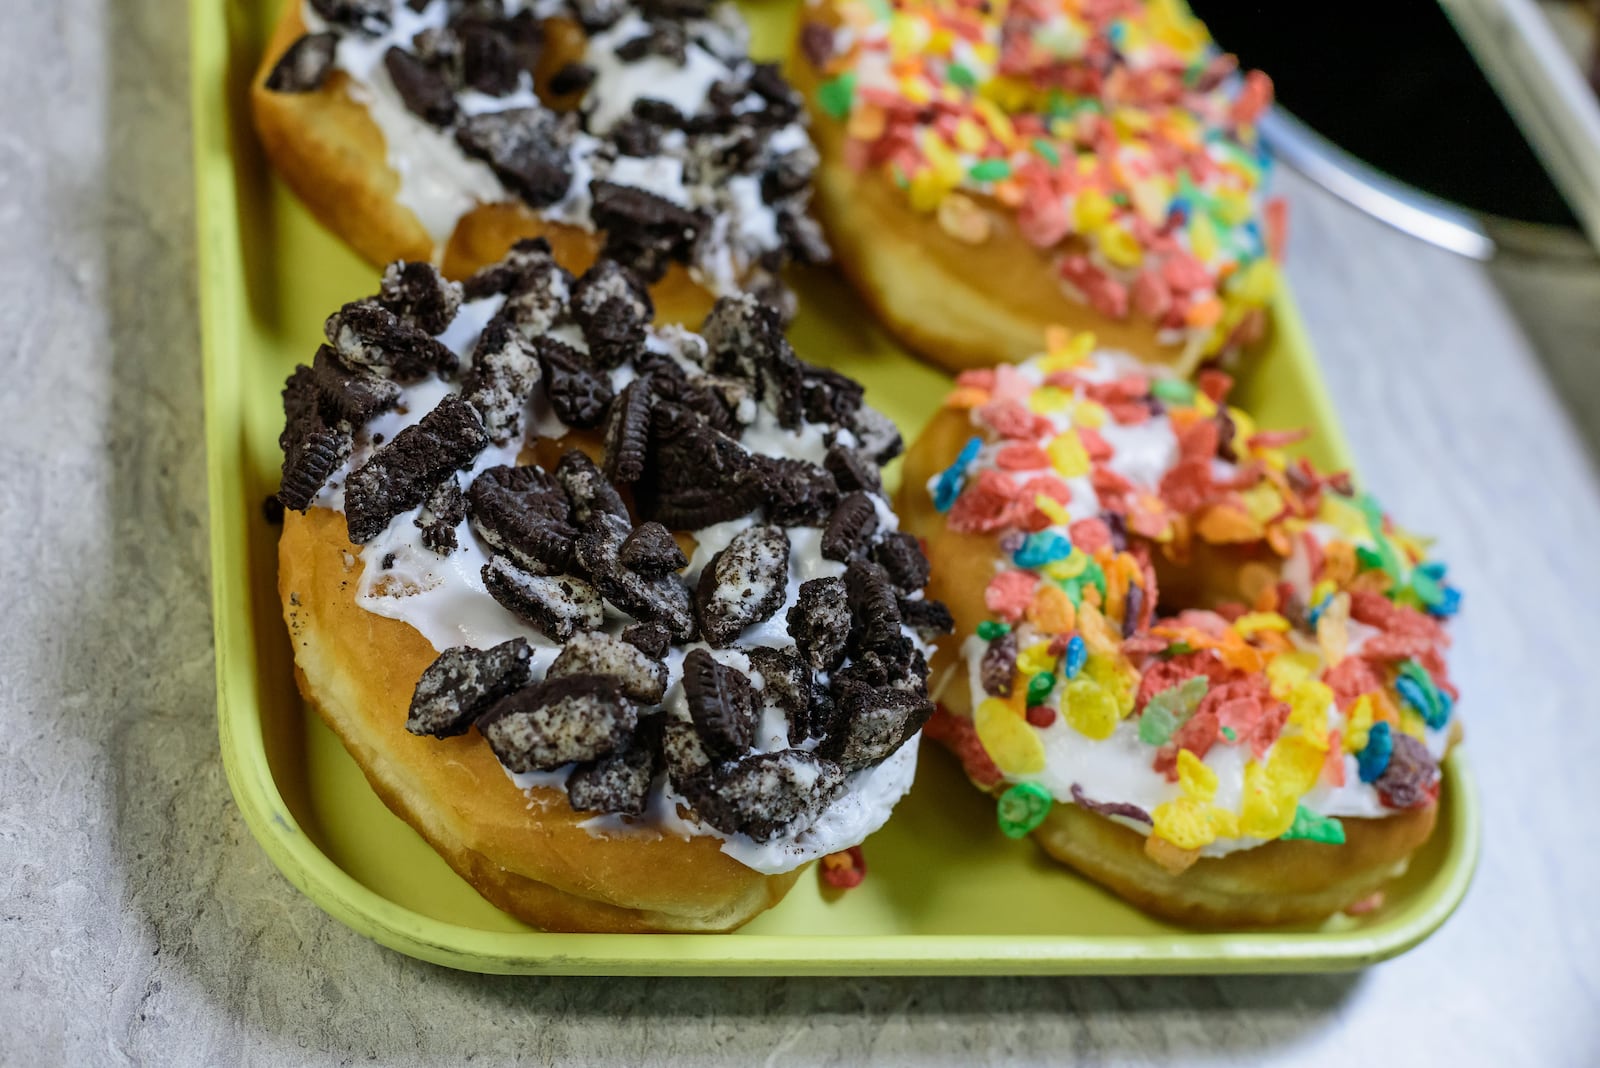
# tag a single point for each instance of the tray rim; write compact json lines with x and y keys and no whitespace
{"x":335,"y":891}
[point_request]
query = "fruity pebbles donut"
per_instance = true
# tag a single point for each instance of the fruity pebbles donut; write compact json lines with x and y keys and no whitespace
{"x":992,"y":168}
{"x":616,"y":616}
{"x":1195,"y":669}
{"x":446,"y":130}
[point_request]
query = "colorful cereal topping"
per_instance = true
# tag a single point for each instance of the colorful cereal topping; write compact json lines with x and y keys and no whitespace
{"x":1114,"y":132}
{"x":1313,"y":687}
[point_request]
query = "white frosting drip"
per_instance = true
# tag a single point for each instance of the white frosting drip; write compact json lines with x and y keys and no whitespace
{"x":617,"y":85}
{"x":443,"y":598}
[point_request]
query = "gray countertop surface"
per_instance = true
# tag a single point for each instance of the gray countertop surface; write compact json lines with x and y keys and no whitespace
{"x":139,"y":922}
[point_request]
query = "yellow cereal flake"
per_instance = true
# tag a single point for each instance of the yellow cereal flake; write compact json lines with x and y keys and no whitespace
{"x":1358,"y":724}
{"x":1089,"y":709}
{"x":1067,"y":455}
{"x":1251,"y":622}
{"x":1007,"y":738}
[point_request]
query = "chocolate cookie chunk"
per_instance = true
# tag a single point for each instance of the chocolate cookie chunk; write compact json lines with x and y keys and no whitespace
{"x":304,"y":66}
{"x":878,"y":437}
{"x":489,"y":61}
{"x":614,"y":309}
{"x":652,"y":639}
{"x":876,"y":722}
{"x":442,"y":511}
{"x":620,"y":783}
{"x":682,"y":754}
{"x":651,"y":550}
{"x":312,"y":450}
{"x":797,"y":493}
{"x":820,"y":622}
{"x":786,"y":685}
{"x":560,"y":721}
{"x":744,"y":338}
{"x":350,"y":395}
{"x":524,"y":513}
{"x":900,"y":556}
{"x":828,"y":396}
{"x":875,"y":607}
{"x":425,"y":91}
{"x":850,"y":528}
{"x":403,"y":471}
{"x":587,"y":487}
{"x":721,"y":705}
{"x":558,"y":606}
{"x":852,"y":471}
{"x":504,"y":373}
{"x":420,"y":296}
{"x":928,"y":618}
{"x":628,"y":431}
{"x":368,"y":17}
{"x":461,"y":684}
{"x":579,"y":394}
{"x":642,"y":678}
{"x":660,"y":599}
{"x":369,"y":337}
{"x":643,"y":230}
{"x":744,"y":584}
{"x":527,"y":148}
{"x":767,"y":795}
{"x":701,"y":475}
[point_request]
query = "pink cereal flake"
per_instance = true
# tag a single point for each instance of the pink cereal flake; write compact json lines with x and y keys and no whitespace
{"x":1009,"y":593}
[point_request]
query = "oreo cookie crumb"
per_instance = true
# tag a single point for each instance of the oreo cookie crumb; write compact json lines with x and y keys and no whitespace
{"x":928,"y":618}
{"x":461,"y":684}
{"x":527,"y":148}
{"x":651,"y":639}
{"x":721,"y":705}
{"x":489,"y":61}
{"x":820,"y":621}
{"x":661,"y":599}
{"x":619,"y":784}
{"x":744,"y":338}
{"x":369,"y":17}
{"x":682,"y":754}
{"x":852,"y":471}
{"x":850,"y":528}
{"x":312,"y":450}
{"x":369,"y":337}
{"x":786,"y":685}
{"x":642,"y":678}
{"x":401,"y":473}
{"x":643,"y":230}
{"x":352,"y":396}
{"x":442,"y":511}
{"x":425,"y":91}
{"x":628,"y":431}
{"x":651,"y":550}
{"x":524,"y":513}
{"x":419,"y":295}
{"x":879,"y":438}
{"x":573,"y":78}
{"x":796,"y":493}
{"x":558,"y":606}
{"x":504,"y":373}
{"x":875,"y":607}
{"x":587,"y":487}
{"x":767,"y":795}
{"x":559,"y":721}
{"x":876,"y":722}
{"x":304,"y":65}
{"x":613,"y":309}
{"x":828,"y":396}
{"x":579,"y":395}
{"x":900,"y":556}
{"x":744,"y":584}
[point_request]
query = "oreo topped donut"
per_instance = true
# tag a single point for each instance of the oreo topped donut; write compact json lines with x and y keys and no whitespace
{"x":616,"y":615}
{"x":448,"y":129}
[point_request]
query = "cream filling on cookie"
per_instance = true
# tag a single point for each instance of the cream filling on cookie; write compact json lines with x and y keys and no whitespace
{"x":440,"y":183}
{"x":1120,"y":768}
{"x":443,"y":598}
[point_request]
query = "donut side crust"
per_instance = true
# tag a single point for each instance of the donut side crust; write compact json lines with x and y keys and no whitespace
{"x":1279,"y":882}
{"x":525,"y":852}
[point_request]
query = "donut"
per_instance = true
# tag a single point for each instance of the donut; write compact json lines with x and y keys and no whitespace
{"x":990,"y":169}
{"x":447,"y":130}
{"x":617,"y":616}
{"x":1196,"y":669}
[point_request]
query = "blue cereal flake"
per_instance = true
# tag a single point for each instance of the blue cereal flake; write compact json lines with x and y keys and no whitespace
{"x":948,"y":487}
{"x":1316,"y":612}
{"x":1045,"y":547}
{"x":1415,"y":687}
{"x":1373,"y":761}
{"x":1438,"y":597}
{"x":1076,"y":654}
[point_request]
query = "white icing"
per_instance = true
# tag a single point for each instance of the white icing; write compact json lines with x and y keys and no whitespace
{"x":617,"y":85}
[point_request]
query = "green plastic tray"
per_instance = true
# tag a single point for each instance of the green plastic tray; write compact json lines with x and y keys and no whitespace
{"x":946,"y":894}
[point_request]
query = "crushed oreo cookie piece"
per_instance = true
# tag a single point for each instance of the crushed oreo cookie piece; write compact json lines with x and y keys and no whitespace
{"x":879,"y":438}
{"x":744,"y":584}
{"x":900,"y":555}
{"x":643,"y":230}
{"x":312,"y":450}
{"x":425,"y":92}
{"x":579,"y":394}
{"x":702,"y":476}
{"x":829,"y":396}
{"x":928,"y":618}
{"x":350,"y":395}
{"x":614,"y":310}
{"x":628,"y":431}
{"x":369,"y":17}
{"x":524,"y":513}
{"x":587,"y":487}
{"x":744,"y":338}
{"x":642,"y":678}
{"x":369,"y":337}
{"x":785,"y":685}
{"x":651,"y":639}
{"x":767,"y":795}
{"x":661,"y":599}
{"x":402,"y":472}
{"x":304,"y":65}
{"x":635,"y":137}
{"x":559,"y":721}
{"x":721,"y":704}
{"x":852,"y":471}
{"x":619,"y":784}
{"x":557,"y":606}
{"x":489,"y":61}
{"x":461,"y":684}
{"x":504,"y":373}
{"x":875,"y":607}
{"x":683,"y":755}
{"x":571,"y":79}
{"x":796,"y":492}
{"x":527,"y":148}
{"x":529,"y":265}
{"x":651,"y":550}
{"x":875,"y":723}
{"x":419,"y":295}
{"x":819,"y":622}
{"x":442,"y":511}
{"x":999,"y":665}
{"x":850,"y":528}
